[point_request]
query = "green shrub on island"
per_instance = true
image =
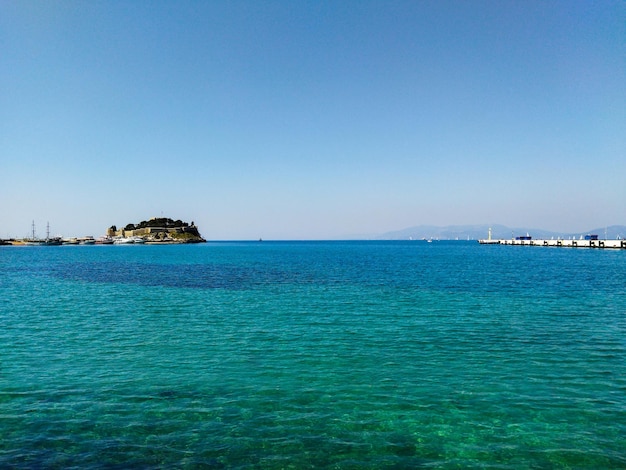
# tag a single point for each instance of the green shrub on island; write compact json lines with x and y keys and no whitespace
{"x":162,"y":222}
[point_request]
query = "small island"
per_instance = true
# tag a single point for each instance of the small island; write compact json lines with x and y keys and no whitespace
{"x":157,"y":230}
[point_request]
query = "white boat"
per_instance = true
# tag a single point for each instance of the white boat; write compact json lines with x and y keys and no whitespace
{"x":128,"y":240}
{"x":104,"y":240}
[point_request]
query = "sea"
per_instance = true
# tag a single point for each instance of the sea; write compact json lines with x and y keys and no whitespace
{"x":305,"y":355}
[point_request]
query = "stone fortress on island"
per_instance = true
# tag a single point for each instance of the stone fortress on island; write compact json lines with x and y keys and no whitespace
{"x":158,"y":230}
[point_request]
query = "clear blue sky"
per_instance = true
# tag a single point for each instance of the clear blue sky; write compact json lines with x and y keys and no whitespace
{"x":311,"y":119}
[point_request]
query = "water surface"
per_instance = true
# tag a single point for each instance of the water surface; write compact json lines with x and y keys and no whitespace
{"x":312,"y":355}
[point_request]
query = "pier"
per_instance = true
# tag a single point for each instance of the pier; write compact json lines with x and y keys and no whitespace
{"x":566,"y":243}
{"x":589,"y":241}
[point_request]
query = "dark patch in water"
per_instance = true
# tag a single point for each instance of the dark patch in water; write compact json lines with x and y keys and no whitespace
{"x":195,"y":276}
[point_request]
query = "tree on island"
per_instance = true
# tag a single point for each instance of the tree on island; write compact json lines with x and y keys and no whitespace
{"x":161,"y":222}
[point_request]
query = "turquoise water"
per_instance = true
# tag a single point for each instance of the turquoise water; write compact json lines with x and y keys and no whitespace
{"x":342,"y":355}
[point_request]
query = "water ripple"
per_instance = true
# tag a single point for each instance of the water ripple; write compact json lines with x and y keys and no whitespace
{"x":312,"y":356}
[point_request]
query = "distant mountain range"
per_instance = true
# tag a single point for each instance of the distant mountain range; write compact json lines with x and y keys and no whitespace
{"x":476,"y":232}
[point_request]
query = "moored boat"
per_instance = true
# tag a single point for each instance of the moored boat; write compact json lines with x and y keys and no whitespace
{"x":48,"y":241}
{"x":104,"y":240}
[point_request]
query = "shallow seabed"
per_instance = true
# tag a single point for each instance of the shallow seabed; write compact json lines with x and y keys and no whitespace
{"x":300,"y":355}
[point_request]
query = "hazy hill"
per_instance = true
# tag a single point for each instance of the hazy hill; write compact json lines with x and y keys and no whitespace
{"x":475,"y":232}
